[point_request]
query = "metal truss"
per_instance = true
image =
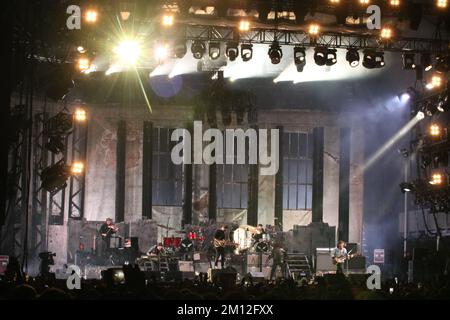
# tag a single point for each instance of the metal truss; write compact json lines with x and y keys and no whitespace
{"x":12,"y":241}
{"x":38,"y":241}
{"x":57,"y":200}
{"x":342,"y":40}
{"x":77,"y":182}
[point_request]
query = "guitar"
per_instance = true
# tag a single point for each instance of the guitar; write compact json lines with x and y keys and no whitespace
{"x":222,"y":243}
{"x":343,"y":258}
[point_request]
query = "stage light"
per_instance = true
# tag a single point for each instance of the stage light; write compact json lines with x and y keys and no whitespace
{"x":162,"y":52}
{"x":54,"y":178}
{"x":409,"y":61}
{"x":425,"y":60}
{"x":91,"y":16}
{"x":394,"y":3}
{"x":214,"y":50}
{"x":299,"y":58}
{"x":442,"y":64}
{"x":180,"y":49}
{"x":443,"y":104}
{"x":364,"y":2}
{"x":435,"y":82}
{"x":246,"y":52}
{"x":168,"y":20}
{"x":232,"y":51}
{"x":420,"y":115}
{"x":436,"y":179}
{"x":125,"y":15}
{"x":275,"y":53}
{"x":324,"y":56}
{"x":320,"y":56}
{"x":80,"y":115}
{"x":435,"y":130}
{"x":441,"y":4}
{"x":198,"y":49}
{"x":83,"y":64}
{"x":244,"y":25}
{"x":77,"y":168}
{"x":406,"y":187}
{"x":352,"y":57}
{"x":128,"y":52}
{"x":314,"y":29}
{"x":81,"y":49}
{"x":386,"y":33}
{"x":373,"y":59}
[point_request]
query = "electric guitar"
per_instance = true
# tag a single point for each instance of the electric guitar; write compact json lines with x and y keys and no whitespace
{"x":222,"y":243}
{"x":341,"y":259}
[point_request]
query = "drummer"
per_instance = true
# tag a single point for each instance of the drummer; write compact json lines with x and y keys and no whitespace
{"x":156,"y":250}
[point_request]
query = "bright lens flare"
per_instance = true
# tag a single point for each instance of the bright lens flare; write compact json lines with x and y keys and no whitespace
{"x":83,"y":64}
{"x":441,"y":3}
{"x":435,"y":130}
{"x":80,"y":115}
{"x":386,"y":33}
{"x":77,"y":168}
{"x":168,"y":20}
{"x":244,"y":25}
{"x":128,"y":52}
{"x":314,"y":29}
{"x":436,"y":179}
{"x":91,"y":16}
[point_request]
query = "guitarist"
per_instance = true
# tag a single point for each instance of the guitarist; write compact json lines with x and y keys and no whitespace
{"x":219,"y":244}
{"x":339,"y":256}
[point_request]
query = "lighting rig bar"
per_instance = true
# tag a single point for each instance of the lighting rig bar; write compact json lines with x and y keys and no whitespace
{"x":327,"y":38}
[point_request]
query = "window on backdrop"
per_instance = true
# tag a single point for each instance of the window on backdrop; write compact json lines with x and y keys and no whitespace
{"x":297,"y":170}
{"x":232,"y":183}
{"x":166,"y":176}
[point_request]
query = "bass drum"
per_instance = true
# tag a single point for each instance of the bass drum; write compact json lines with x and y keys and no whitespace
{"x":243,"y":239}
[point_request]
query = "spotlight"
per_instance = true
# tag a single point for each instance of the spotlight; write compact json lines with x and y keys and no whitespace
{"x":334,"y":1}
{"x":420,"y":115}
{"x":364,"y":2}
{"x":435,"y":130}
{"x":198,"y":49}
{"x":83,"y":64}
{"x":77,"y":168}
{"x":386,"y":33}
{"x":443,"y":104}
{"x":443,"y":64}
{"x":436,"y":179}
{"x":180,"y":49}
{"x":407,"y":95}
{"x":435,"y":82}
{"x":128,"y":52}
{"x":168,"y":20}
{"x":409,"y":61}
{"x":214,"y":50}
{"x":441,"y":4}
{"x":394,"y":3}
{"x":232,"y":50}
{"x":80,"y":115}
{"x":406,"y":187}
{"x":161,"y":52}
{"x":91,"y":16}
{"x":81,"y":49}
{"x":320,"y":56}
{"x":324,"y":56}
{"x":246,"y":52}
{"x":373,"y":59}
{"x":244,"y":25}
{"x":425,"y":60}
{"x":275,"y":53}
{"x":313,"y":29}
{"x":299,"y":58}
{"x":352,"y":57}
{"x":54,"y":178}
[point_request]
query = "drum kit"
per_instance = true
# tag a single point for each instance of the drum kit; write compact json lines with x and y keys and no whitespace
{"x":246,"y":242}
